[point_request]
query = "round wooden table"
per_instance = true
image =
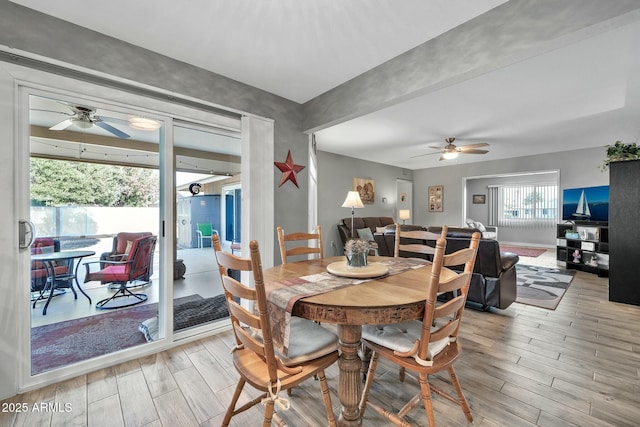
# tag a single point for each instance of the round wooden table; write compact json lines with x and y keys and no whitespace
{"x":390,"y":299}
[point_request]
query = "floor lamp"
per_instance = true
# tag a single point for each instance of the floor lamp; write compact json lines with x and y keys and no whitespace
{"x":352,"y":201}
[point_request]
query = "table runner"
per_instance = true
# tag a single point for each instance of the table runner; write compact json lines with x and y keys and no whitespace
{"x":283,"y":294}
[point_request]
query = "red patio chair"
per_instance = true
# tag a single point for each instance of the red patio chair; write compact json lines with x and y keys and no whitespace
{"x":137,"y":267}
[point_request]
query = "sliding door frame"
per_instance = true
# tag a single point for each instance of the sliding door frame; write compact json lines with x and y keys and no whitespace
{"x":252,"y":128}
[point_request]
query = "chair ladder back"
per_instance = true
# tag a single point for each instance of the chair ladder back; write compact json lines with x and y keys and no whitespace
{"x":418,"y":248}
{"x":458,"y":258}
{"x":140,"y":256}
{"x":262,"y":347}
{"x":298,"y":237}
{"x":451,"y":312}
{"x":456,"y":283}
{"x":432,"y":295}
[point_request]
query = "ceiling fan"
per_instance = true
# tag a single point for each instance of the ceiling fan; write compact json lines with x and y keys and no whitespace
{"x":451,"y":151}
{"x":85,"y":118}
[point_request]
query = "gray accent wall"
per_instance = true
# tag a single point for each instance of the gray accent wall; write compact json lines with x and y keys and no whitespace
{"x":335,"y":178}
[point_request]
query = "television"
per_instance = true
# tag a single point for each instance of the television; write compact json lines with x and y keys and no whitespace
{"x":586,"y":204}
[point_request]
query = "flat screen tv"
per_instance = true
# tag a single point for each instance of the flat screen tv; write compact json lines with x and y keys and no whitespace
{"x":586,"y":204}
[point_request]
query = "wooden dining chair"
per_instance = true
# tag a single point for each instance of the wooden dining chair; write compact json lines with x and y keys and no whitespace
{"x":429,"y":345}
{"x":311,"y":349}
{"x":419,"y":243}
{"x":298,"y":237}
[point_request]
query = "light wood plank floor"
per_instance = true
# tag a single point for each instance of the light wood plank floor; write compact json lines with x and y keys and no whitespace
{"x":576,"y":366}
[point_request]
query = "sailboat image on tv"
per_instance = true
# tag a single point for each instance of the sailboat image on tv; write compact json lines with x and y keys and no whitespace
{"x":582,"y":210}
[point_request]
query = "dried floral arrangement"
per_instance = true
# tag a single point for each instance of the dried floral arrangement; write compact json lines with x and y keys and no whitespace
{"x":357,"y":246}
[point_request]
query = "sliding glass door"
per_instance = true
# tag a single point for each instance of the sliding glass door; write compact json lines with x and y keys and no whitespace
{"x":94,"y":191}
{"x":206,"y":159}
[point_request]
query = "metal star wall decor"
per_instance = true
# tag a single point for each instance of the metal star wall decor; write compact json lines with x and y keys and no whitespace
{"x":289,"y":170}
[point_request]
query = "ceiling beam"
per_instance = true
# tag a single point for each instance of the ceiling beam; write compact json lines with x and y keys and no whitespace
{"x":126,"y":144}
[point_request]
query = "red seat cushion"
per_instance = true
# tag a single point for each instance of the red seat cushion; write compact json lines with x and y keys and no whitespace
{"x":112,"y":273}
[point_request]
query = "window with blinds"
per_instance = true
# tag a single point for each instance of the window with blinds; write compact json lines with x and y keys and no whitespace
{"x":534,"y":205}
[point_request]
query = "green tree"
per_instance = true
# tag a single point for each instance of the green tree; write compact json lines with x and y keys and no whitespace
{"x":60,"y":182}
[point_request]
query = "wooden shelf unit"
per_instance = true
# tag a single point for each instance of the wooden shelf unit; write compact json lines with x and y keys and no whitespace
{"x":591,"y":240}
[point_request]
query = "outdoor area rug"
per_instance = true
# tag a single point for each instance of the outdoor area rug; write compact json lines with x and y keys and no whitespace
{"x":522,"y":251}
{"x":542,"y":286}
{"x":71,"y":341}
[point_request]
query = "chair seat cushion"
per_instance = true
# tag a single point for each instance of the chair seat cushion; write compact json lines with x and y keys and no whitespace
{"x":111,"y":273}
{"x":307,"y":341}
{"x":401,"y":337}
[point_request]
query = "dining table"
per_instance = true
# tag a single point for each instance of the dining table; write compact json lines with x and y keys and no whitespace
{"x":389,"y":290}
{"x":72,"y":258}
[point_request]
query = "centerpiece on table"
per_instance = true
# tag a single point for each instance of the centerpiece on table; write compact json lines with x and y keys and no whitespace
{"x":356,"y":251}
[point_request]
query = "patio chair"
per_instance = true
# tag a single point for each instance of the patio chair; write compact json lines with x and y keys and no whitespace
{"x":312,"y":349}
{"x":430,"y":345}
{"x":42,"y":245}
{"x":120,"y":249}
{"x":136,"y":267}
{"x":205,"y":231}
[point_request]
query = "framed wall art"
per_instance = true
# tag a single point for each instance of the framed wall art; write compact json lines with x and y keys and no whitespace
{"x":364,"y":186}
{"x":479,"y":199}
{"x":436,"y":198}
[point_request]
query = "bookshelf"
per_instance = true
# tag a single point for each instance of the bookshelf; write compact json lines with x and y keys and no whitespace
{"x":584,"y":246}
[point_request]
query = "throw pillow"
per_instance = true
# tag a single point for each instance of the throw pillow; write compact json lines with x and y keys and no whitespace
{"x":471,"y":223}
{"x":380,"y":229}
{"x":365,"y":233}
{"x":480,"y":227}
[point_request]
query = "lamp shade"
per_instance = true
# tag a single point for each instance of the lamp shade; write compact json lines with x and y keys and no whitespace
{"x":353,"y":200}
{"x":404,"y":214}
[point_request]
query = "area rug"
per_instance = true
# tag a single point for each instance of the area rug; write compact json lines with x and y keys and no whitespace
{"x":542,"y":286}
{"x":63,"y":343}
{"x":522,"y":251}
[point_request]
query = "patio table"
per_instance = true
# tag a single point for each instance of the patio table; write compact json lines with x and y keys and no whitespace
{"x":48,"y":259}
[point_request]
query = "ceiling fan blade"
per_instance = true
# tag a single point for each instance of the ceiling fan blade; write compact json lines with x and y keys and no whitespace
{"x":435,"y":148}
{"x":109,"y":128}
{"x":62,"y":125}
{"x":52,"y":111}
{"x":478,"y":145}
{"x":474,"y":151}
{"x":422,"y":155}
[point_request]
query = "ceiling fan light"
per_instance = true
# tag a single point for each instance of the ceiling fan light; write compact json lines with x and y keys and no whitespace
{"x":143,"y":123}
{"x":82,"y":124}
{"x":450,"y":155}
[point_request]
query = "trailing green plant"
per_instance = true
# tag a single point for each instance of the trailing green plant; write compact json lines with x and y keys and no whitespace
{"x":619,"y":152}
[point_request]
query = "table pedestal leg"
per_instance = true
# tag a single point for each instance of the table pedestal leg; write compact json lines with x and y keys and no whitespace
{"x":350,"y":385}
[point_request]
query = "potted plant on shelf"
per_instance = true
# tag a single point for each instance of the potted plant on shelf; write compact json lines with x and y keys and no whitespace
{"x":356,"y":251}
{"x":619,"y":152}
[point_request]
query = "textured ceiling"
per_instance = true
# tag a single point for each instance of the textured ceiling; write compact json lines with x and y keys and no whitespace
{"x":583,"y":92}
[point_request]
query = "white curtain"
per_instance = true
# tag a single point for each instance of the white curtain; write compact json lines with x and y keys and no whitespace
{"x":526,"y":206}
{"x":493,"y":205}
